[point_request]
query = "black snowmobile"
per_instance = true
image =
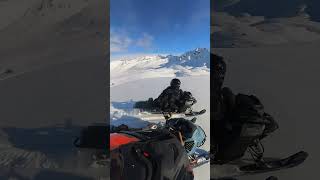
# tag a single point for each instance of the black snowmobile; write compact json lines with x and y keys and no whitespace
{"x":190,"y":135}
{"x":241,"y":131}
{"x":171,"y":101}
{"x":239,"y":124}
{"x":148,"y":153}
{"x":153,"y":154}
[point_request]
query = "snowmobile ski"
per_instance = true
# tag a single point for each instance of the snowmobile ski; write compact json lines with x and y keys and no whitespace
{"x":196,"y":113}
{"x":275,"y":165}
{"x":156,"y":116}
{"x":244,"y":168}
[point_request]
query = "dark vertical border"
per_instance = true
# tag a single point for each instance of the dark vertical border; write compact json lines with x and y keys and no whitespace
{"x":107,"y":66}
{"x":211,"y":83}
{"x":107,"y":85}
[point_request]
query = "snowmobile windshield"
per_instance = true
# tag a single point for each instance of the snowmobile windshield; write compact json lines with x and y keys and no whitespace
{"x":198,"y":138}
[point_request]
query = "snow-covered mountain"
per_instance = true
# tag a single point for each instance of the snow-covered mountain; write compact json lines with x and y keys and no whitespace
{"x":138,"y":78}
{"x":195,"y":62}
{"x":269,"y":8}
{"x":250,"y":23}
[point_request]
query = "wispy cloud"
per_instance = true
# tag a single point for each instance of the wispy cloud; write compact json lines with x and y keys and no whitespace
{"x":119,"y":41}
{"x":146,"y":41}
{"x":122,"y":41}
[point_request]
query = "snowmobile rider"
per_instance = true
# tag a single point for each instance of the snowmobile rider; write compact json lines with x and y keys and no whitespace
{"x":231,"y":113}
{"x":173,"y":99}
{"x":218,"y":74}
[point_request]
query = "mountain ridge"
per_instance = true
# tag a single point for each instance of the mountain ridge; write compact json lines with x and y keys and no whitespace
{"x":190,"y":63}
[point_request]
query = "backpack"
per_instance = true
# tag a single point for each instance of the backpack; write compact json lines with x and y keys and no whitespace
{"x":158,"y":155}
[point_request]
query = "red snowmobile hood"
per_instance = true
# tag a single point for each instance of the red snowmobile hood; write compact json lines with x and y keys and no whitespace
{"x":117,"y":140}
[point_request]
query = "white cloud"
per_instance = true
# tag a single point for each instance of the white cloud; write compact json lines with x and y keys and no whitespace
{"x":119,"y":41}
{"x":145,"y":41}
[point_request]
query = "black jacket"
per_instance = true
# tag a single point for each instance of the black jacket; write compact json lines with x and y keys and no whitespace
{"x":170,"y":99}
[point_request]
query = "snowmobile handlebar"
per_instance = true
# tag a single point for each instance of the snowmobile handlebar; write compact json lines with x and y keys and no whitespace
{"x":180,"y":138}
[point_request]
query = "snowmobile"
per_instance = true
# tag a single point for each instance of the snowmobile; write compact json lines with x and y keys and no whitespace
{"x":238,"y":126}
{"x":239,"y":133}
{"x":171,"y":103}
{"x":148,"y":155}
{"x":154,"y":152}
{"x":190,"y":135}
{"x":151,"y":109}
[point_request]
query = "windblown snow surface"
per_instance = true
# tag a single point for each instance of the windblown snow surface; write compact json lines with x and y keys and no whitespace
{"x":51,"y":71}
{"x":285,"y":79}
{"x":275,"y":55}
{"x":143,"y":77}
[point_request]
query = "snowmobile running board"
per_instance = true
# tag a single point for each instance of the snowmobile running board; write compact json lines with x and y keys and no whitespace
{"x":231,"y":170}
{"x":160,"y":116}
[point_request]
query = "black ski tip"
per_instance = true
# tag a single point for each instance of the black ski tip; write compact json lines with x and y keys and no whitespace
{"x":203,"y":111}
{"x":297,"y":158}
{"x":275,"y":165}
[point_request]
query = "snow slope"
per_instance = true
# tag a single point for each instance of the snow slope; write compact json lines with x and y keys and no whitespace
{"x":259,"y":31}
{"x":141,"y":78}
{"x":192,"y":63}
{"x":39,"y":33}
{"x":279,"y":64}
{"x":285,"y":78}
{"x":54,"y":49}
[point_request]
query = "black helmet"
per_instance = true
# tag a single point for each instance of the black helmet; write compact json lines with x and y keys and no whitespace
{"x":175,"y":83}
{"x":219,"y":70}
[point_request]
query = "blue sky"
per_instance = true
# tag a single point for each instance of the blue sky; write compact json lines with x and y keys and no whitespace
{"x":158,"y":26}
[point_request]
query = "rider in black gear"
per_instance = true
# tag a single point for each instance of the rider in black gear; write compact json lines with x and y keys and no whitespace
{"x":218,"y":74}
{"x":170,"y":99}
{"x":232,"y":116}
{"x":219,"y":71}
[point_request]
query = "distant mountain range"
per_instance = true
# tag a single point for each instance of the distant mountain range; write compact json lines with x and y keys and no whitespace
{"x":252,"y":23}
{"x":194,"y":62}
